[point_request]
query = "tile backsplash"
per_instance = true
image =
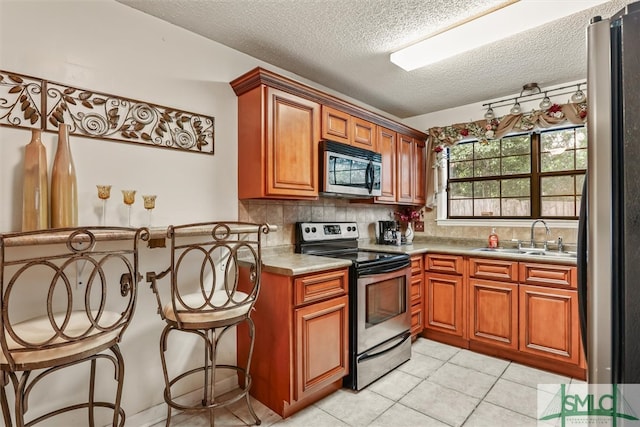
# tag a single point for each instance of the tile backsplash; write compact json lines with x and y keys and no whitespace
{"x":285,"y":214}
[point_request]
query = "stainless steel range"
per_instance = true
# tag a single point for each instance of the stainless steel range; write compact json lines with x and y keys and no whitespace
{"x":379,"y":316}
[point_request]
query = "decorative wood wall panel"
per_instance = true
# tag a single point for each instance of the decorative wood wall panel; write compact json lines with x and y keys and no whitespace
{"x":29,"y":102}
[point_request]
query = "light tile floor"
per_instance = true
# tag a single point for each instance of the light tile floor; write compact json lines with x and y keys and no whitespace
{"x":440,"y":386}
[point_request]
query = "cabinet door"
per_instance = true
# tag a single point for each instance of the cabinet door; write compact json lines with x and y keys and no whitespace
{"x":445,"y":303}
{"x":322,"y":347}
{"x":336,"y":125}
{"x":493,"y":313}
{"x":387,"y":147}
{"x":363,"y":134}
{"x":549,"y":324}
{"x":420,"y":173}
{"x":292,"y":145}
{"x":405,"y":186}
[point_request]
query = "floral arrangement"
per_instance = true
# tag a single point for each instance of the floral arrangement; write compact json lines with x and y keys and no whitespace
{"x":408,"y":214}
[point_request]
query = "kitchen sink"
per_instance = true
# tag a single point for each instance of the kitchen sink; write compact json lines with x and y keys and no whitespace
{"x":529,"y":251}
{"x":501,"y":250}
{"x":553,"y":253}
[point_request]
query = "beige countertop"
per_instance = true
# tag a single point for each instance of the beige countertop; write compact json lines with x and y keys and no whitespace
{"x":283,"y":261}
{"x":292,"y":264}
{"x":468,"y":249}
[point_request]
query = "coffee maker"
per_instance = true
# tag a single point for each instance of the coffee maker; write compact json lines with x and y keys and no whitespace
{"x":388,"y":233}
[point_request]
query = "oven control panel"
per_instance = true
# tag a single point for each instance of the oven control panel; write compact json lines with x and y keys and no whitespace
{"x":318,"y":231}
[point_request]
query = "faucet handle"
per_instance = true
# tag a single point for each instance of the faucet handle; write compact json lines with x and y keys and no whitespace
{"x":560,"y":244}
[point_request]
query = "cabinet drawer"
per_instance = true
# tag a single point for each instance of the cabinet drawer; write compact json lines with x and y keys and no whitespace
{"x":321,"y":286}
{"x":416,"y":289}
{"x":417,"y":318}
{"x":553,"y":275}
{"x":416,"y":265}
{"x":444,"y":263}
{"x":494,"y":269}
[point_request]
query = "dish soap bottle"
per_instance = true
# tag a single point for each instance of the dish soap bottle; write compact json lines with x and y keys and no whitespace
{"x":493,"y":239}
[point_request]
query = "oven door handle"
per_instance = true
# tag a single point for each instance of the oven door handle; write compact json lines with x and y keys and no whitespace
{"x":368,"y":271}
{"x":366,"y":356}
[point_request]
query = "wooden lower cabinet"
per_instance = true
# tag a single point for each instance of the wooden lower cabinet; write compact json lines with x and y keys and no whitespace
{"x":416,"y":289}
{"x":445,"y":304}
{"x":301,"y":348}
{"x":549,"y":324}
{"x":521,"y":311}
{"x":493,"y":313}
{"x":445,"y":299}
{"x":322,"y":350}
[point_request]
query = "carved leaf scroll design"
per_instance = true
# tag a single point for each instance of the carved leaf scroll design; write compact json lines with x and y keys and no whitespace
{"x":20,"y":100}
{"x":99,"y":115}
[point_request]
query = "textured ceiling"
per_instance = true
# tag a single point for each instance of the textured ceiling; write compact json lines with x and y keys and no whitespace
{"x":345,"y":45}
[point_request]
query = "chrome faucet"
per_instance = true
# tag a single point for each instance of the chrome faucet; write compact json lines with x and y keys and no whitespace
{"x":533,"y":244}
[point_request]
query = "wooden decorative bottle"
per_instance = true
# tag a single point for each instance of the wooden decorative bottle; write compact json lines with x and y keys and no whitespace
{"x":64,"y":187}
{"x":35,"y":189}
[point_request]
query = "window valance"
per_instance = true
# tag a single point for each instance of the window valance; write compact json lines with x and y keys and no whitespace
{"x":485,"y":130}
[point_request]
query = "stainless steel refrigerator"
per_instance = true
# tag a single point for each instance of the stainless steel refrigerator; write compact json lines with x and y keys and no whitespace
{"x":609,"y":231}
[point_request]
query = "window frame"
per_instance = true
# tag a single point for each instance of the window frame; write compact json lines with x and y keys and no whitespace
{"x":536,"y":176}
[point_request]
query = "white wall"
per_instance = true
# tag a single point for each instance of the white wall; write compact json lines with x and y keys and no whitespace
{"x":108,"y":47}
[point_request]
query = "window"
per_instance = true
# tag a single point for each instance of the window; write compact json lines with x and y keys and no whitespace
{"x":535,"y":175}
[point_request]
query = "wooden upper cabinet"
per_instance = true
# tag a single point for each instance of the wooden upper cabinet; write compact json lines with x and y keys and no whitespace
{"x":342,"y":127}
{"x":336,"y":125}
{"x":420,"y":173}
{"x":405,"y":185}
{"x":363,"y":134}
{"x":277,"y":153}
{"x":387,"y":143}
{"x":411,"y":163}
{"x":281,"y":122}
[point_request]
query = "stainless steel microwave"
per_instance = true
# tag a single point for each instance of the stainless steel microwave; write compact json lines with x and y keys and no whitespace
{"x":349,"y":171}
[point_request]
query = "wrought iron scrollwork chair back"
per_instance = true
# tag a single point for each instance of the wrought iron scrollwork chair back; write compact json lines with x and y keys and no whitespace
{"x":67,"y":297}
{"x":205,"y":299}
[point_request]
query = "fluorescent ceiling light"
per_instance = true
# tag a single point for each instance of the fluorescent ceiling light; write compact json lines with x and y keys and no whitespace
{"x":498,"y":24}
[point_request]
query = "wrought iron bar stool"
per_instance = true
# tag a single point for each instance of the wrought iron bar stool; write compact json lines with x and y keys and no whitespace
{"x":67,"y":297}
{"x":207,"y":261}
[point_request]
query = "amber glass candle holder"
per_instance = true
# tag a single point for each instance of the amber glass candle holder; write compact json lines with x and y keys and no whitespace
{"x":149,"y":204}
{"x":104,"y":192}
{"x":129,"y":197}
